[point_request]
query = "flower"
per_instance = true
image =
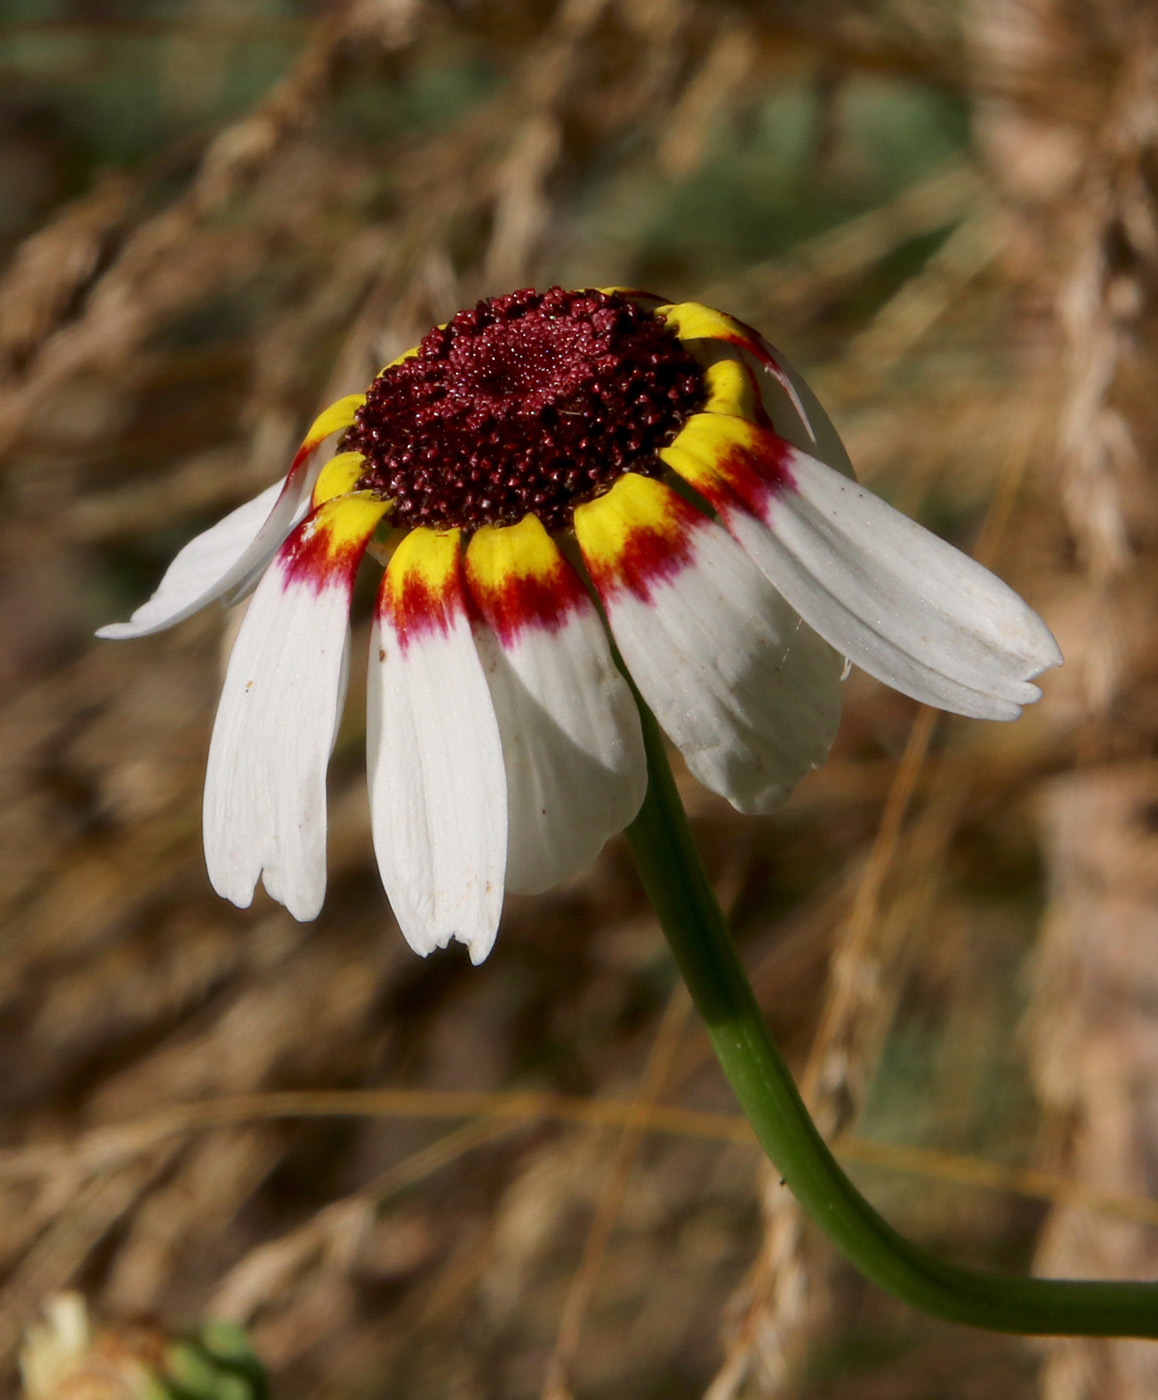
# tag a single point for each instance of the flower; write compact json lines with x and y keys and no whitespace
{"x":546,"y":473}
{"x":65,"y":1358}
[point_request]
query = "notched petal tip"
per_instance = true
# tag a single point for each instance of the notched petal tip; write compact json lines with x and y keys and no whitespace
{"x":479,"y":947}
{"x":1048,"y":654}
{"x":423,"y":936}
{"x":302,"y":903}
{"x":239,"y":892}
{"x":239,"y":886}
{"x":424,"y":925}
{"x":1037,"y":652}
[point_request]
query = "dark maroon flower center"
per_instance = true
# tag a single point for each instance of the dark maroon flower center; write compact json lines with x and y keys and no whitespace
{"x":535,"y":401}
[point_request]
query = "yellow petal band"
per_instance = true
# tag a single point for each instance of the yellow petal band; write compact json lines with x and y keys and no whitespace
{"x":338,"y":476}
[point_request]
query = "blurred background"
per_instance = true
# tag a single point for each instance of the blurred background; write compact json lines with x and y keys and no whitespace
{"x":527,"y":1179}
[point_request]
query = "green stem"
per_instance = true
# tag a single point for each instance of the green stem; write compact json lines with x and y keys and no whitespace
{"x":674,"y":878}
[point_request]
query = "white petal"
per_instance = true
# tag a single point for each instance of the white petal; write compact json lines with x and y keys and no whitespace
{"x":265,"y":783}
{"x":572,"y":747}
{"x":437,"y":792}
{"x":227,"y":559}
{"x":899,"y":602}
{"x":796,"y":413}
{"x":201,"y":570}
{"x":747,"y":692}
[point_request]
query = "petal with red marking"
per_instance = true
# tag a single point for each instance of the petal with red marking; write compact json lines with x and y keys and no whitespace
{"x":265,"y":784}
{"x":797,"y":414}
{"x":794,"y":410}
{"x":304,"y":471}
{"x":572,"y":747}
{"x":746,"y":690}
{"x":438,"y":799}
{"x":336,"y":419}
{"x":901,"y":603}
{"x":226,"y":560}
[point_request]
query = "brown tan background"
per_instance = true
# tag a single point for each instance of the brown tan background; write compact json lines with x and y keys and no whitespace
{"x":214,"y":218}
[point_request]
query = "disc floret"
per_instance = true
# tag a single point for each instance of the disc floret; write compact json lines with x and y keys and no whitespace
{"x":531,"y":402}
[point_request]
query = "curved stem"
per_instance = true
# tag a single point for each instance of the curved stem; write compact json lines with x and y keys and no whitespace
{"x":674,"y":878}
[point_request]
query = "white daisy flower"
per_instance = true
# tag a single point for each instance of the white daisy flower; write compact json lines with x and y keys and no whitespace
{"x":552,"y":472}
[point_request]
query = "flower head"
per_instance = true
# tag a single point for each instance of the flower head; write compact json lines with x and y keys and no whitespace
{"x":64,"y":1357}
{"x":546,"y":473}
